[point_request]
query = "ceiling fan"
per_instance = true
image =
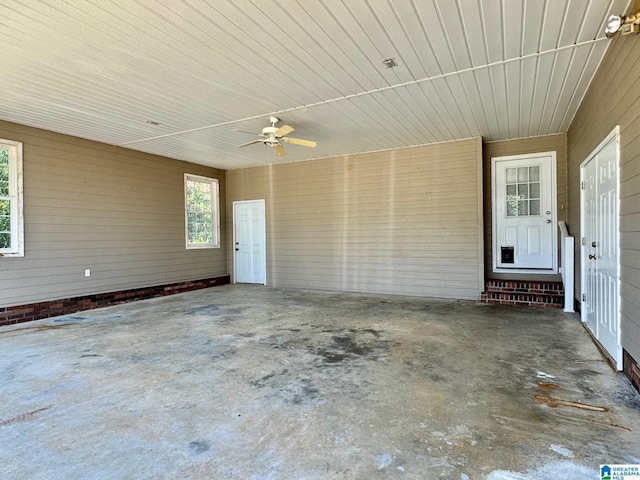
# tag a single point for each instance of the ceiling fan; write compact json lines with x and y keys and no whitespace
{"x":273,"y":136}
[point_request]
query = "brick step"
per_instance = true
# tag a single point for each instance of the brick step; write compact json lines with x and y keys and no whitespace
{"x":511,"y":286}
{"x":531,"y":294}
{"x":523,"y":299}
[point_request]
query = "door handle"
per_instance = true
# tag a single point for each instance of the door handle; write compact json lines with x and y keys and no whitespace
{"x":592,"y":257}
{"x":548,"y":221}
{"x":593,"y":244}
{"x":237,"y":249}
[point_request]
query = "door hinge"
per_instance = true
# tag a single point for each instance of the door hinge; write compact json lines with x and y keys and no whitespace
{"x":584,"y":241}
{"x":582,"y":184}
{"x":584,"y":297}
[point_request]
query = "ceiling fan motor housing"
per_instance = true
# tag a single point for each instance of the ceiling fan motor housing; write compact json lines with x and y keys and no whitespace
{"x":269,"y":131}
{"x":272,"y":141}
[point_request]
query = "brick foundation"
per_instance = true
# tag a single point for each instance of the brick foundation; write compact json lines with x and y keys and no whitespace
{"x":53,"y":308}
{"x":631,"y":369}
{"x":530,"y":294}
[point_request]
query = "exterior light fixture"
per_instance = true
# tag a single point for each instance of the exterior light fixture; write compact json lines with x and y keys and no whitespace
{"x":625,"y":25}
{"x":613,"y":25}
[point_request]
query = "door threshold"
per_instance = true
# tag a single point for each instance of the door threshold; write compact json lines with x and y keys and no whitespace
{"x":532,"y":271}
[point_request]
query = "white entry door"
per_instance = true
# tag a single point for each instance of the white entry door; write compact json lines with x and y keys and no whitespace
{"x":599,"y":252}
{"x":249,"y":239}
{"x":524,"y":213}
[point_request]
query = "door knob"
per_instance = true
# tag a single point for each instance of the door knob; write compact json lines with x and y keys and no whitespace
{"x":593,"y":244}
{"x":592,"y":257}
{"x":237,"y":249}
{"x":548,"y":221}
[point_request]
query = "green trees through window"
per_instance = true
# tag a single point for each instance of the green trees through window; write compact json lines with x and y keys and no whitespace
{"x":5,"y":200}
{"x":201,"y":205}
{"x":11,"y":221}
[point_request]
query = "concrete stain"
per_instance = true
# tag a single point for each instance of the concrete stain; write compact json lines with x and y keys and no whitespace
{"x":349,"y":345}
{"x":198,"y":447}
{"x":584,"y":372}
{"x":628,"y":398}
{"x":38,"y":328}
{"x":558,"y":402}
{"x":300,"y":392}
{"x":23,"y":417}
{"x":70,"y":319}
{"x":331,"y":356}
{"x":548,"y":385}
{"x":375,"y":333}
{"x":262,"y":382}
{"x":203,"y":310}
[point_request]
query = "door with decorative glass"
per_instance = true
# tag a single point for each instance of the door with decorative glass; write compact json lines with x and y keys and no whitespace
{"x":524,"y":213}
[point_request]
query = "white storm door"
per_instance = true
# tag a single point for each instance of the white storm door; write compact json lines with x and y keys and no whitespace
{"x":524,"y":220}
{"x":249,"y":238}
{"x":600,"y":304}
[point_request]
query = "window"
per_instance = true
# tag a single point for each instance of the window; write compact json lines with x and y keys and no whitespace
{"x":202,"y":217}
{"x":11,"y":217}
{"x":523,"y":191}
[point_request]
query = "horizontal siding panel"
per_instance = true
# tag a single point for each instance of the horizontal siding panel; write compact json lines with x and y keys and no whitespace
{"x":354,"y":177}
{"x":372,"y":254}
{"x":629,"y":241}
{"x":400,"y":222}
{"x":631,"y":284}
{"x":423,"y":202}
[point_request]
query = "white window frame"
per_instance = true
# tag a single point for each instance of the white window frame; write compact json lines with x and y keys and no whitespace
{"x":215,"y":205}
{"x":16,"y":198}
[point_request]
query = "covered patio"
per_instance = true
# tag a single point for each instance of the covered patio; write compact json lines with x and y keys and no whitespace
{"x":245,"y":381}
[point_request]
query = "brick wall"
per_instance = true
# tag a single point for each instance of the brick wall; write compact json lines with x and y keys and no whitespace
{"x":54,"y":308}
{"x":631,"y":369}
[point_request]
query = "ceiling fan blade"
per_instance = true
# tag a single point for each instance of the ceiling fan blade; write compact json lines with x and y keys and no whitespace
{"x":299,"y":141}
{"x":249,"y":143}
{"x":283,"y":130}
{"x":280,"y":149}
{"x":244,"y":131}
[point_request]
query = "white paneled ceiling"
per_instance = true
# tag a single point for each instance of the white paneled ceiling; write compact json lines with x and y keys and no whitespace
{"x":101,"y":69}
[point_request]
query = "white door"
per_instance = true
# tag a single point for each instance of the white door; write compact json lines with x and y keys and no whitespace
{"x":524,"y":213}
{"x":249,"y":238}
{"x":599,"y":253}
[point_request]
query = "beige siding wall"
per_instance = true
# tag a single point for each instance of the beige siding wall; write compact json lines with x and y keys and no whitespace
{"x":614,"y":99}
{"x":521,"y":146}
{"x":92,"y":206}
{"x":405,"y":221}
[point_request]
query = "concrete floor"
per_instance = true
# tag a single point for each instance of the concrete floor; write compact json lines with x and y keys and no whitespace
{"x":252,"y":382}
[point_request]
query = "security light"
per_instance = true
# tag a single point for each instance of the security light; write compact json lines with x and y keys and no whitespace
{"x":613,"y":25}
{"x":625,"y":25}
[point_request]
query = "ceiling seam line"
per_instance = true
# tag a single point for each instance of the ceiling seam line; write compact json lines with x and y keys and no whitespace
{"x":371,"y":92}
